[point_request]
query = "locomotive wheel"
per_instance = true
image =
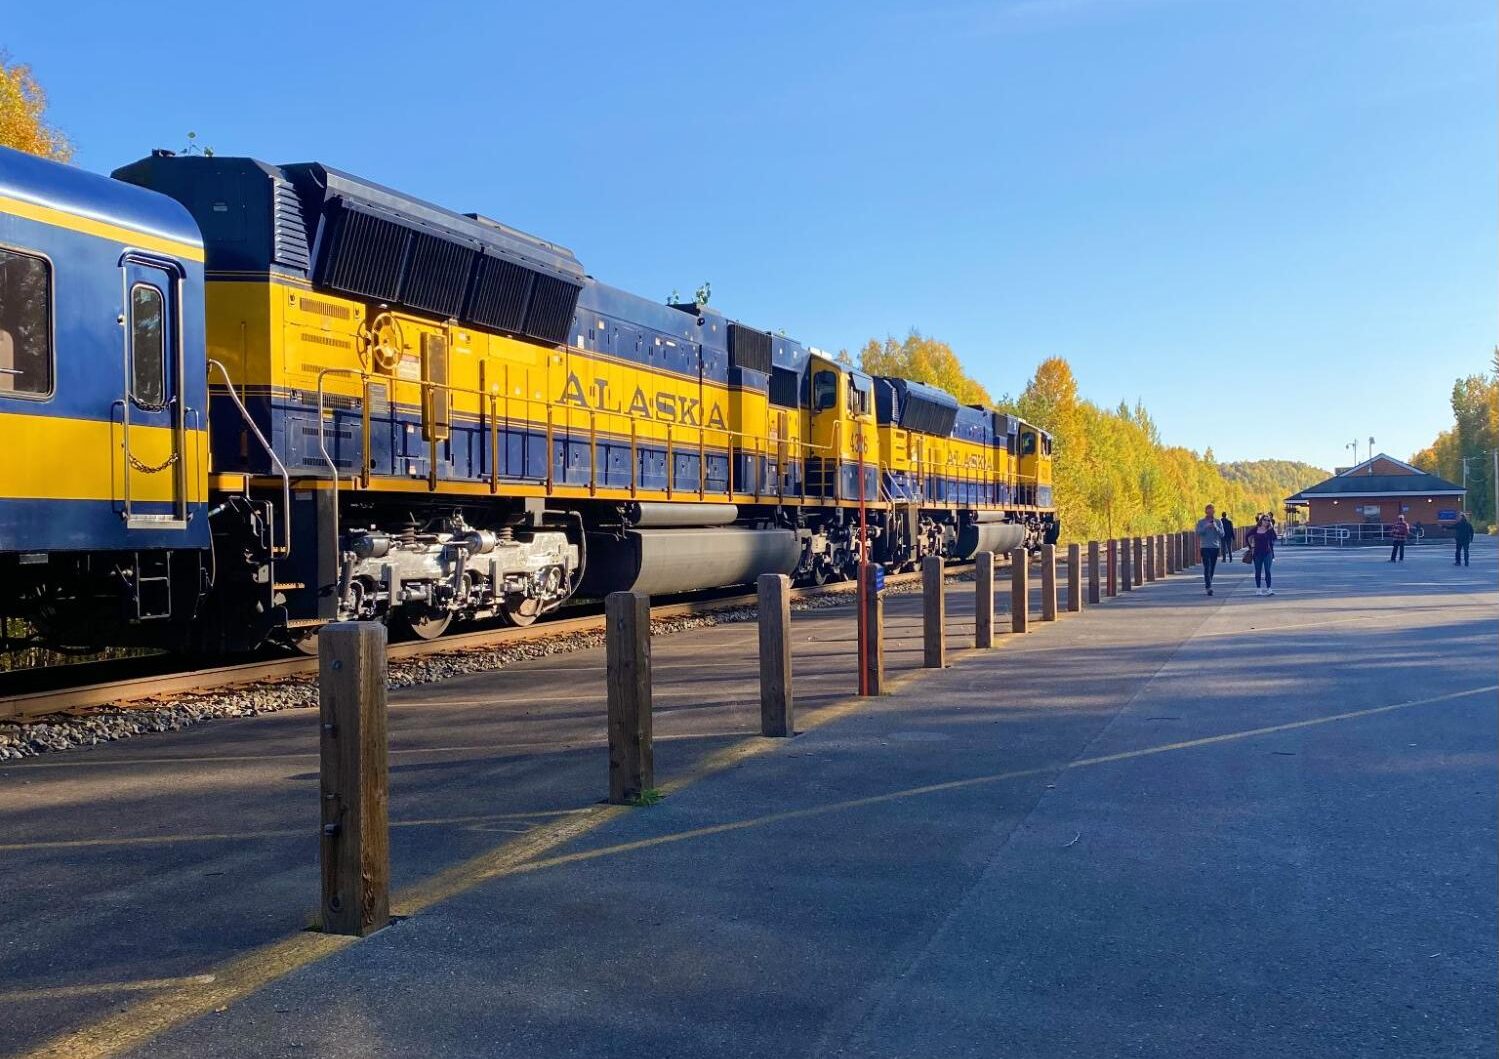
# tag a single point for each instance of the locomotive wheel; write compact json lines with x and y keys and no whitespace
{"x":520,"y":611}
{"x":422,"y":625}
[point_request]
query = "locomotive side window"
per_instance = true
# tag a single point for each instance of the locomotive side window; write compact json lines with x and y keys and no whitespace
{"x":858,"y":400}
{"x":148,"y":362}
{"x":25,"y":325}
{"x":1028,"y":445}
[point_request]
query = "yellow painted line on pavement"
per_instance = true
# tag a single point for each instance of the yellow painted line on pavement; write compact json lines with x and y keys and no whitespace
{"x":977,"y":781}
{"x":138,"y":1023}
{"x":246,"y":836}
{"x":65,"y":992}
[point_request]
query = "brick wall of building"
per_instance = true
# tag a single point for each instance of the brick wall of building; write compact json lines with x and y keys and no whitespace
{"x":1415,"y":508}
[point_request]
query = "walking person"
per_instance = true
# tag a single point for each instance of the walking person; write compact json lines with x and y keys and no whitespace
{"x":1462,"y":533}
{"x":1261,"y":540}
{"x":1228,"y":538}
{"x":1209,"y":539}
{"x":1398,"y":533}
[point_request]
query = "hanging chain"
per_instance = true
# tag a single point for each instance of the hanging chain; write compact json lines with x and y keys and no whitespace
{"x":146,"y":469}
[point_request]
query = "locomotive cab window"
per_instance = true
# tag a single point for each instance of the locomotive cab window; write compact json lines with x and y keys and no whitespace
{"x":1028,"y":444}
{"x":25,"y":325}
{"x":824,"y":390}
{"x":148,"y":361}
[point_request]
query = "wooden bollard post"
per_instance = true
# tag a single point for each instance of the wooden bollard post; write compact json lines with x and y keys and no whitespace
{"x":933,"y":613}
{"x":983,"y":599}
{"x":1126,"y":573}
{"x":627,"y":663}
{"x":1162,"y":563}
{"x":1149,"y":545}
{"x":777,"y":710}
{"x":1111,"y":584}
{"x":1074,"y":578}
{"x":1093,"y":573}
{"x":355,"y":847}
{"x":1192,"y":557}
{"x":1020,"y":590}
{"x":1137,"y":561}
{"x":1048,"y":582}
{"x":1169,"y":542}
{"x":871,"y":578}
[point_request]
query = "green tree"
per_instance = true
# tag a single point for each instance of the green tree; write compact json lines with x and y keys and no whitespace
{"x":1470,"y":440}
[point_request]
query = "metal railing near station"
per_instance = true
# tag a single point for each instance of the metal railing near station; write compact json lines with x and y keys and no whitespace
{"x":1347,"y":534}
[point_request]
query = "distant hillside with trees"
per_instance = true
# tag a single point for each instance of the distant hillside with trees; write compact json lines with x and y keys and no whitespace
{"x":1269,"y":482}
{"x":1115,"y":475}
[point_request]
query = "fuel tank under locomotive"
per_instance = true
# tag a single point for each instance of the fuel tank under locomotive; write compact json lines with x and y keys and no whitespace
{"x":988,"y":533}
{"x":665,"y":548}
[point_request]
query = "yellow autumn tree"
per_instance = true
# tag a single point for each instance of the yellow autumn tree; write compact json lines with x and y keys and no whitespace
{"x":922,"y":359}
{"x":23,"y":107}
{"x":1114,"y":474}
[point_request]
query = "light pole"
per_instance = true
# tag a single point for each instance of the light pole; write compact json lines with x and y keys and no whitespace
{"x":1354,"y":446}
{"x":1371,"y":453}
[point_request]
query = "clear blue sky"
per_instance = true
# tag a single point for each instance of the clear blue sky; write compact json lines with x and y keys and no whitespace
{"x":1273,"y":221}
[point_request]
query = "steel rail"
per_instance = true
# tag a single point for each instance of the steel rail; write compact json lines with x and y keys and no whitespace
{"x":30,"y":707}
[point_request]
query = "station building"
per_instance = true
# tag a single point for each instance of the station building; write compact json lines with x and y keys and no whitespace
{"x":1377,"y":491}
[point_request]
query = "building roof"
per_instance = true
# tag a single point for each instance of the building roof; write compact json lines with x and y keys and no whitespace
{"x":1354,"y":484}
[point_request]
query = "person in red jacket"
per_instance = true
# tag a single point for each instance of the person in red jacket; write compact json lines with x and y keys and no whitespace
{"x":1398,"y":534}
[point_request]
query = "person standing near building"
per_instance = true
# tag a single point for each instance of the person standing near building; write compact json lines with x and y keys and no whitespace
{"x":1261,"y":540}
{"x":1209,"y":539}
{"x":1462,"y":533}
{"x":1398,"y":533}
{"x":1228,"y":537}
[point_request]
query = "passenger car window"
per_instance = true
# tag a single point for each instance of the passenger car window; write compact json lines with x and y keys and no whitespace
{"x":25,"y":325}
{"x":147,"y":347}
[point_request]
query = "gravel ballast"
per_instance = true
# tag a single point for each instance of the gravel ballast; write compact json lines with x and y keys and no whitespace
{"x":141,"y":717}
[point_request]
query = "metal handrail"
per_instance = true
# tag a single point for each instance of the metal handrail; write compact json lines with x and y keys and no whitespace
{"x":244,"y":413}
{"x":550,"y":408}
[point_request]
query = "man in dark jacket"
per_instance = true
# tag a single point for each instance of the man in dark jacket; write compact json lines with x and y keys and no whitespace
{"x":1228,"y":537}
{"x":1462,"y":533}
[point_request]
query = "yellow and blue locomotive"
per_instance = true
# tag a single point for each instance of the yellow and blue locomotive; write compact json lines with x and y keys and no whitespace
{"x":372,"y":407}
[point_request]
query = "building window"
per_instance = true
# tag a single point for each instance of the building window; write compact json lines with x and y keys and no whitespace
{"x":25,"y":325}
{"x":148,"y":361}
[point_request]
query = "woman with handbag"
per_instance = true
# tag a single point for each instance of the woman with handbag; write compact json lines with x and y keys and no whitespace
{"x":1260,"y":543}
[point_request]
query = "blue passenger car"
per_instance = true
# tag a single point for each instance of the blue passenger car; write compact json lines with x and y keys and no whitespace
{"x":103,"y":452}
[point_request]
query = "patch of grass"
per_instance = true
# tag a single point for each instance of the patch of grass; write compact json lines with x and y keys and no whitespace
{"x":648,"y":797}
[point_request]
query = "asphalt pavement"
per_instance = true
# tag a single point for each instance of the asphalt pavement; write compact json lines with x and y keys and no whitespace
{"x":1172,"y":826}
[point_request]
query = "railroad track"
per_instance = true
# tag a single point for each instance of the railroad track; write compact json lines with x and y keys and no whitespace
{"x":84,"y":698}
